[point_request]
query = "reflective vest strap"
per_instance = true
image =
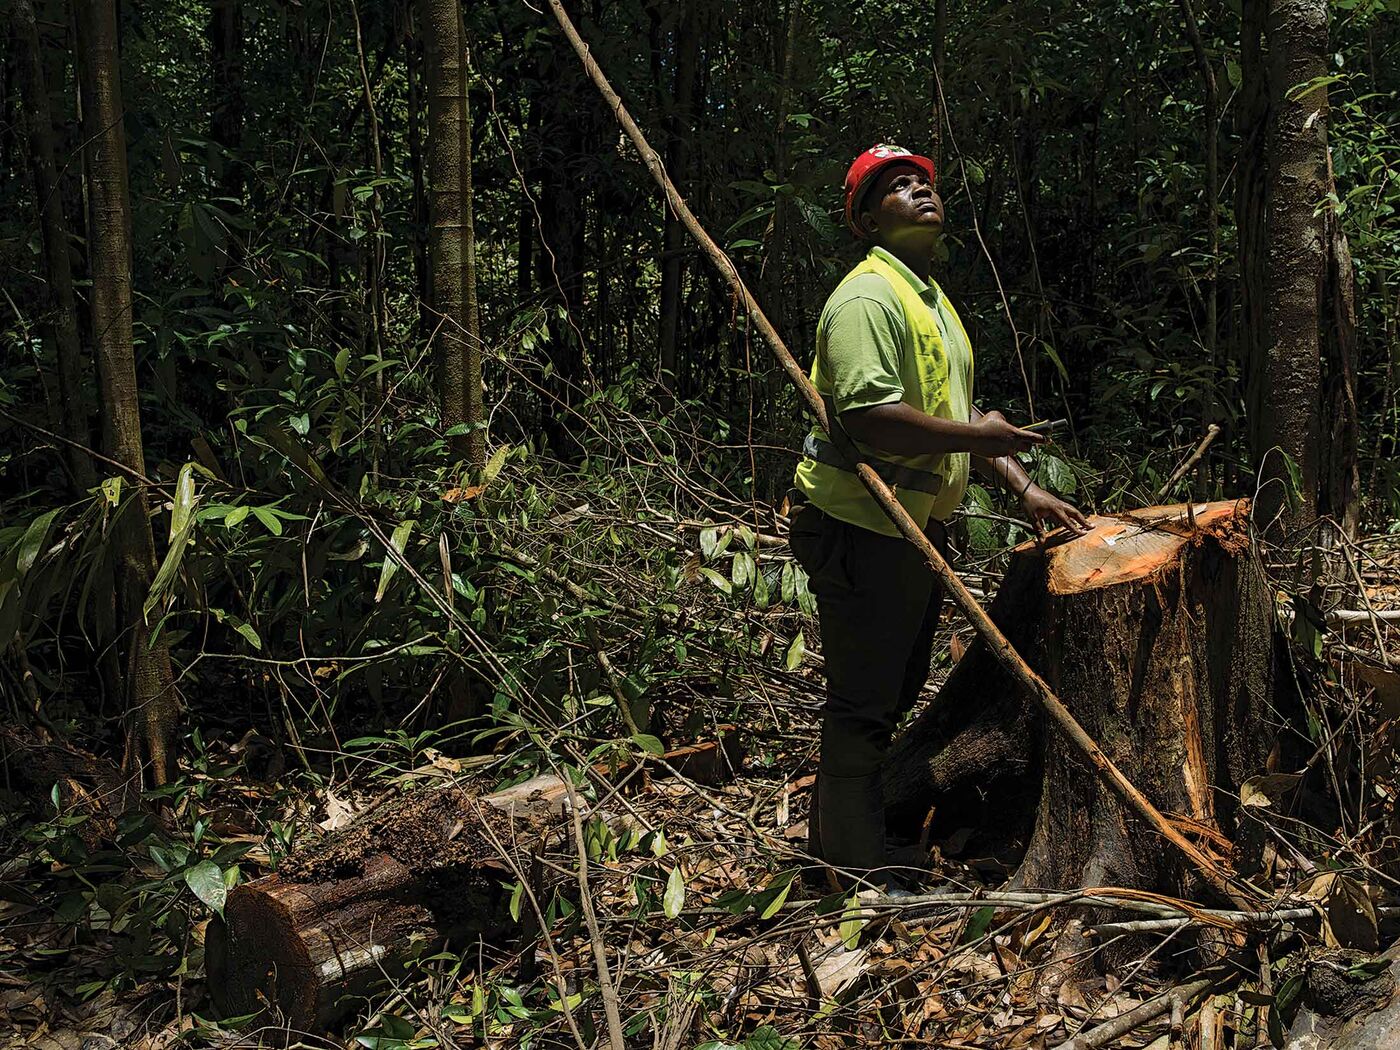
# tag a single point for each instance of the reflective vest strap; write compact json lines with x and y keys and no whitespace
{"x":896,"y":475}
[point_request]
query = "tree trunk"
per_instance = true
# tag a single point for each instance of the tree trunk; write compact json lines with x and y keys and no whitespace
{"x":413,"y":74}
{"x":53,"y":226}
{"x":1288,"y":250}
{"x":226,"y":93}
{"x":1211,"y":120}
{"x":1155,"y":630}
{"x":678,"y":130}
{"x":151,"y":704}
{"x":451,"y":248}
{"x":475,"y":447}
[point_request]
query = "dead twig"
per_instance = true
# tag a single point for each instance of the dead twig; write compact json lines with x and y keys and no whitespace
{"x":1191,"y":460}
{"x":606,"y":988}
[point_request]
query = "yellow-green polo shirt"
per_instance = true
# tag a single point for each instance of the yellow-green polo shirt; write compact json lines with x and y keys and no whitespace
{"x":866,"y":355}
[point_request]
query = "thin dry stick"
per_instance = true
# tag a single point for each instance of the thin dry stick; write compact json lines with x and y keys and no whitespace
{"x":614,"y":682}
{"x":981,"y":622}
{"x":1195,"y":457}
{"x":595,"y":934}
{"x":1107,"y":1033}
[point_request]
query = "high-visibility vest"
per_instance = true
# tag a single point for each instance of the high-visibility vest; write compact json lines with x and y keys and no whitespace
{"x":922,"y":483}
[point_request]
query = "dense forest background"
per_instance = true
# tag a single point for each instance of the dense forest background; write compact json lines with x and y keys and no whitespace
{"x":362,"y":405}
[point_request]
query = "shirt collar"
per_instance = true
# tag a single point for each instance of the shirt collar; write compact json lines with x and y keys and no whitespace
{"x":924,"y":289}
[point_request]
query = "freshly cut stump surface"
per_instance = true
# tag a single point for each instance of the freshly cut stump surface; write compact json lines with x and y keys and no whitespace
{"x":1155,"y":629}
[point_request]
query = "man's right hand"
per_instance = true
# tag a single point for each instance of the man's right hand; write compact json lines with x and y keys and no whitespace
{"x":992,"y":436}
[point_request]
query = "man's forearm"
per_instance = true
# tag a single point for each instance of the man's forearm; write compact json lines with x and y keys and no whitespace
{"x":905,"y":431}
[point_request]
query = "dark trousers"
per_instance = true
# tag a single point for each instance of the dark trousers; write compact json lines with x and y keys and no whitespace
{"x":879,"y":606}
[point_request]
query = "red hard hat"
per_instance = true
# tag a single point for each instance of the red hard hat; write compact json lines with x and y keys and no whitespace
{"x":868,"y":165}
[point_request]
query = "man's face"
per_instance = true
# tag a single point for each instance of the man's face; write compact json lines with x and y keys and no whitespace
{"x":901,"y":205}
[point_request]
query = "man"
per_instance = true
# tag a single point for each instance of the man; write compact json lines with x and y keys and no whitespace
{"x":894,"y":365}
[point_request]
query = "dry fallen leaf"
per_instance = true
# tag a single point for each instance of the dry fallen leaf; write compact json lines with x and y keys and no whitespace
{"x":339,"y":812}
{"x":461,"y":495}
{"x":1348,"y":916}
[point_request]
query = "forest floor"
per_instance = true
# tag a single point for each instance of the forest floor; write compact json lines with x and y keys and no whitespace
{"x":711,"y":937}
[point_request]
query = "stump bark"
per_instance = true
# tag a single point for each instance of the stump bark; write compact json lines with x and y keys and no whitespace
{"x":1155,"y":629}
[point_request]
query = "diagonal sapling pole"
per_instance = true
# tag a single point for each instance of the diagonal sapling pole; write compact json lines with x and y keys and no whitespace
{"x":981,"y":622}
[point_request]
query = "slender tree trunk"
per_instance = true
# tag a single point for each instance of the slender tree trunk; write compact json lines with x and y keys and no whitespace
{"x":413,"y":71}
{"x":471,"y":371}
{"x":450,"y":245}
{"x":53,"y":226}
{"x":1289,"y":249}
{"x":678,"y":129}
{"x":1211,"y":106}
{"x":374,"y":254}
{"x":778,"y":277}
{"x":226,"y":92}
{"x":151,"y":704}
{"x":940,"y":54}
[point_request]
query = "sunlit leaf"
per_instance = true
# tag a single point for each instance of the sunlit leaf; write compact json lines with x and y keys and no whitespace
{"x":397,"y":541}
{"x":674,"y":898}
{"x":206,"y":881}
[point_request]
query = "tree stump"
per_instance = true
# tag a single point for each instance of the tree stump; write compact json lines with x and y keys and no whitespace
{"x":1155,"y":629}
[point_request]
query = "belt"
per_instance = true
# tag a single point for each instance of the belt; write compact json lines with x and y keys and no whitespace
{"x":896,"y":475}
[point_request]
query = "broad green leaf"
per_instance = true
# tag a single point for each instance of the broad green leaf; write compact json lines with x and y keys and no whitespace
{"x":849,"y":930}
{"x":517,"y":895}
{"x":650,"y":744}
{"x":768,"y":1038}
{"x":494,"y":464}
{"x":795,"y":652}
{"x":977,"y":926}
{"x":674,"y":898}
{"x":246,"y":630}
{"x":775,"y":893}
{"x":740,"y":569}
{"x":398,"y":541}
{"x":32,"y":542}
{"x":235,"y":517}
{"x":709,"y":543}
{"x":184,"y":501}
{"x":169,"y":566}
{"x":715,"y":578}
{"x":760,"y":588}
{"x":206,"y":881}
{"x":270,"y":521}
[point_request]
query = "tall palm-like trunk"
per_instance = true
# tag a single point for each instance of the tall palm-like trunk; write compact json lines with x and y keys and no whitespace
{"x":451,"y":246}
{"x":151,"y":703}
{"x":54,"y":230}
{"x":1297,"y":274}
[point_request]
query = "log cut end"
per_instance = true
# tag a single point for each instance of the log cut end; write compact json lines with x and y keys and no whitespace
{"x":289,"y":949}
{"x":1140,"y":545}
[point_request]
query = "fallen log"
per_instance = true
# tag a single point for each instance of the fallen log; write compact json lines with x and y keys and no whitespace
{"x":1155,"y":629}
{"x":297,"y":946}
{"x":87,"y":785}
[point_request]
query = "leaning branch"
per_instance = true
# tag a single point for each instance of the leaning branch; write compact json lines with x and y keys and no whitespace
{"x":981,"y":622}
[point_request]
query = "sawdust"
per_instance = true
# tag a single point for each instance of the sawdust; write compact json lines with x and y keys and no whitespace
{"x":425,"y":831}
